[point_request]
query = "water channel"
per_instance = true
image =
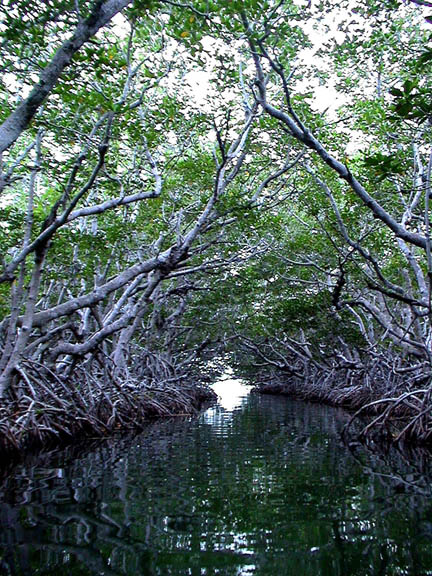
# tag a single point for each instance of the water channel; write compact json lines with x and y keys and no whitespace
{"x":259,"y":485}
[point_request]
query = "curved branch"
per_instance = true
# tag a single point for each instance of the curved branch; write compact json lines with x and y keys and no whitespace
{"x":305,"y":136}
{"x":20,"y":118}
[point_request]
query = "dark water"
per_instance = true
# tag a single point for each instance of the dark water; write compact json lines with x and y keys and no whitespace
{"x":266,"y":489}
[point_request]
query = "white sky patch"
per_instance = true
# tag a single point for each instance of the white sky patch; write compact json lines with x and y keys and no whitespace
{"x":120,"y":26}
{"x":201,"y":89}
{"x":326,"y":98}
{"x":171,"y":138}
{"x":6,"y":199}
{"x":203,"y":93}
{"x":231,"y":391}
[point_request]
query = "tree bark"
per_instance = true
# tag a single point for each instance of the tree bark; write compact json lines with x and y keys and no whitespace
{"x":19,"y":120}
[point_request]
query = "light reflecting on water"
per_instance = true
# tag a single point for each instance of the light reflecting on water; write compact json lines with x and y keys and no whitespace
{"x":267,"y":489}
{"x":231,"y":391}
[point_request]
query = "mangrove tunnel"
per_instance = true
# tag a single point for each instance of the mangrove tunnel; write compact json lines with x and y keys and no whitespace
{"x":215,"y":194}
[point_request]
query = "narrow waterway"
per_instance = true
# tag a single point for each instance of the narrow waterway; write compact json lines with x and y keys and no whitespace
{"x":259,"y":485}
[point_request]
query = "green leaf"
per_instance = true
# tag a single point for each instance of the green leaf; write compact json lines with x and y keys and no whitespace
{"x":396,"y":92}
{"x":404,"y":108}
{"x":409,"y":85}
{"x":425,"y":57}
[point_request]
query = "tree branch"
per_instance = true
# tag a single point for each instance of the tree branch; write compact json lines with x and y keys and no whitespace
{"x":20,"y":118}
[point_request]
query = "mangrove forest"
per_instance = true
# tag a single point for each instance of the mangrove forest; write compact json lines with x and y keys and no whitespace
{"x":196,"y":183}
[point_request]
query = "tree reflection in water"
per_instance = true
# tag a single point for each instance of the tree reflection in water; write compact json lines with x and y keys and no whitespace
{"x":266,"y":489}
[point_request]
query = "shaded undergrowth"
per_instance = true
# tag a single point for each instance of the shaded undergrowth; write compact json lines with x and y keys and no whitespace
{"x":49,"y":411}
{"x":384,"y":405}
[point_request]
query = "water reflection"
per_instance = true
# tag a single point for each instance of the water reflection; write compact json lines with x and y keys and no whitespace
{"x":266,"y":489}
{"x":231,"y":391}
